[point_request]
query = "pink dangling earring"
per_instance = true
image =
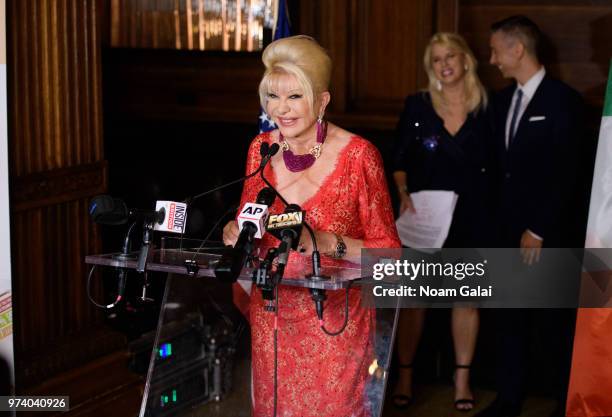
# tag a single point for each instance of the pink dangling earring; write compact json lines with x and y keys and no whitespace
{"x":321,"y":135}
{"x":438,"y":85}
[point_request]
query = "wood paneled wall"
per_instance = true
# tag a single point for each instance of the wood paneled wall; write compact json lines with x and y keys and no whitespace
{"x":576,"y":48}
{"x":377,"y":48}
{"x":56,"y":165}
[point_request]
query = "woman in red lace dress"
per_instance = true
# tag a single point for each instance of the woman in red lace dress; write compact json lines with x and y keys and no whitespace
{"x":338,"y":179}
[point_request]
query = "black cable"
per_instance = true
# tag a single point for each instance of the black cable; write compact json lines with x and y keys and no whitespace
{"x":126,"y":243}
{"x":190,"y":200}
{"x":264,"y":161}
{"x":217,"y":223}
{"x":106,"y":307}
{"x":265,"y":180}
{"x":346,"y":314}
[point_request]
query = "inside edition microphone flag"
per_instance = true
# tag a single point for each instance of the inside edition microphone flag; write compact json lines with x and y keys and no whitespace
{"x":282,"y":29}
{"x":591,"y":377}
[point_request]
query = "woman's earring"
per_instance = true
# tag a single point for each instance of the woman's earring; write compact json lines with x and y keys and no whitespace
{"x":438,"y":85}
{"x":465,"y":67}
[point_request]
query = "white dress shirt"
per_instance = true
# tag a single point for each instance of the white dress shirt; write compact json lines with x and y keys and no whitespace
{"x":529,"y":89}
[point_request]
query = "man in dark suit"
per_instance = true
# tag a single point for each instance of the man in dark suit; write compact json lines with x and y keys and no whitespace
{"x":538,"y":121}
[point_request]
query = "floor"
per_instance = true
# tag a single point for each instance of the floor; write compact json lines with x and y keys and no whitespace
{"x":435,"y":400}
{"x":432,"y":400}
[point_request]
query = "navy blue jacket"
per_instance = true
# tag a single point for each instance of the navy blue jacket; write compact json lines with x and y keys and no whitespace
{"x":435,"y":160}
{"x":539,"y":170}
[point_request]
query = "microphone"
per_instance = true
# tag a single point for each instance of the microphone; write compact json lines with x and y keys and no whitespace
{"x":316,"y":256}
{"x":257,"y":213}
{"x":251,"y":220}
{"x":264,"y":148}
{"x":168,"y":216}
{"x":271,"y":151}
{"x":173,"y":216}
{"x":287,"y":227}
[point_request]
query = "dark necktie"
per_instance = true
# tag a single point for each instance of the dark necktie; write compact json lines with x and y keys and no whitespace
{"x":515,"y":113}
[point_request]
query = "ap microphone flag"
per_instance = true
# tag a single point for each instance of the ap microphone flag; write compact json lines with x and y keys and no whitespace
{"x":256,"y":214}
{"x":175,"y":216}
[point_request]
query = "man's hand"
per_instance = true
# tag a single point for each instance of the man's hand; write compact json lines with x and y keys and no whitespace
{"x":531,"y":247}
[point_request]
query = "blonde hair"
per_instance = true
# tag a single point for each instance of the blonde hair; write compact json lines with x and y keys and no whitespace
{"x":476,"y":95}
{"x":302,"y":57}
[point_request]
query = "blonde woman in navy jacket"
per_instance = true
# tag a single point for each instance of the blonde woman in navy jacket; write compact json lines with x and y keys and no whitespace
{"x":443,"y":143}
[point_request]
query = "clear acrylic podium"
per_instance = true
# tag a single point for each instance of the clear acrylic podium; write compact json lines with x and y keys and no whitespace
{"x":200,"y":364}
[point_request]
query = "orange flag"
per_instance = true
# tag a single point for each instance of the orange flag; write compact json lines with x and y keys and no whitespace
{"x":590,"y":390}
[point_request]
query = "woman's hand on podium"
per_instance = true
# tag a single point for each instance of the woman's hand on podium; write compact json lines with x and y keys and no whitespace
{"x":230,"y":233}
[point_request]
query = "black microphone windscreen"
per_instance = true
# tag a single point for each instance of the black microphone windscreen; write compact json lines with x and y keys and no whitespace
{"x":273,"y":149}
{"x":291,"y":208}
{"x":100,"y":204}
{"x":266,"y":196}
{"x":264,"y":149}
{"x":107,"y":210}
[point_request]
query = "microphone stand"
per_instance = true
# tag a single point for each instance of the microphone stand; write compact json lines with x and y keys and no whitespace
{"x":316,"y":256}
{"x":318,"y":295}
{"x":125,"y":249}
{"x":142,"y":258}
{"x":267,"y":283}
{"x":144,"y":250}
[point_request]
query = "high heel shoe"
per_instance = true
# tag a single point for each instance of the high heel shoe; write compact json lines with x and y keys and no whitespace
{"x":402,"y":401}
{"x":462,"y":402}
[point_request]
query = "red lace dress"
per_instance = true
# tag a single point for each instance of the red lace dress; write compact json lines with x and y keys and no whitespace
{"x":321,"y":375}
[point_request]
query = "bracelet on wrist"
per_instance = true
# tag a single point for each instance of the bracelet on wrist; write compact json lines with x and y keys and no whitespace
{"x":340,"y":248}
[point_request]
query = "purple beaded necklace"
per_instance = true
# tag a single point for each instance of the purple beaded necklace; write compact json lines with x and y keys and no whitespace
{"x":297,"y":163}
